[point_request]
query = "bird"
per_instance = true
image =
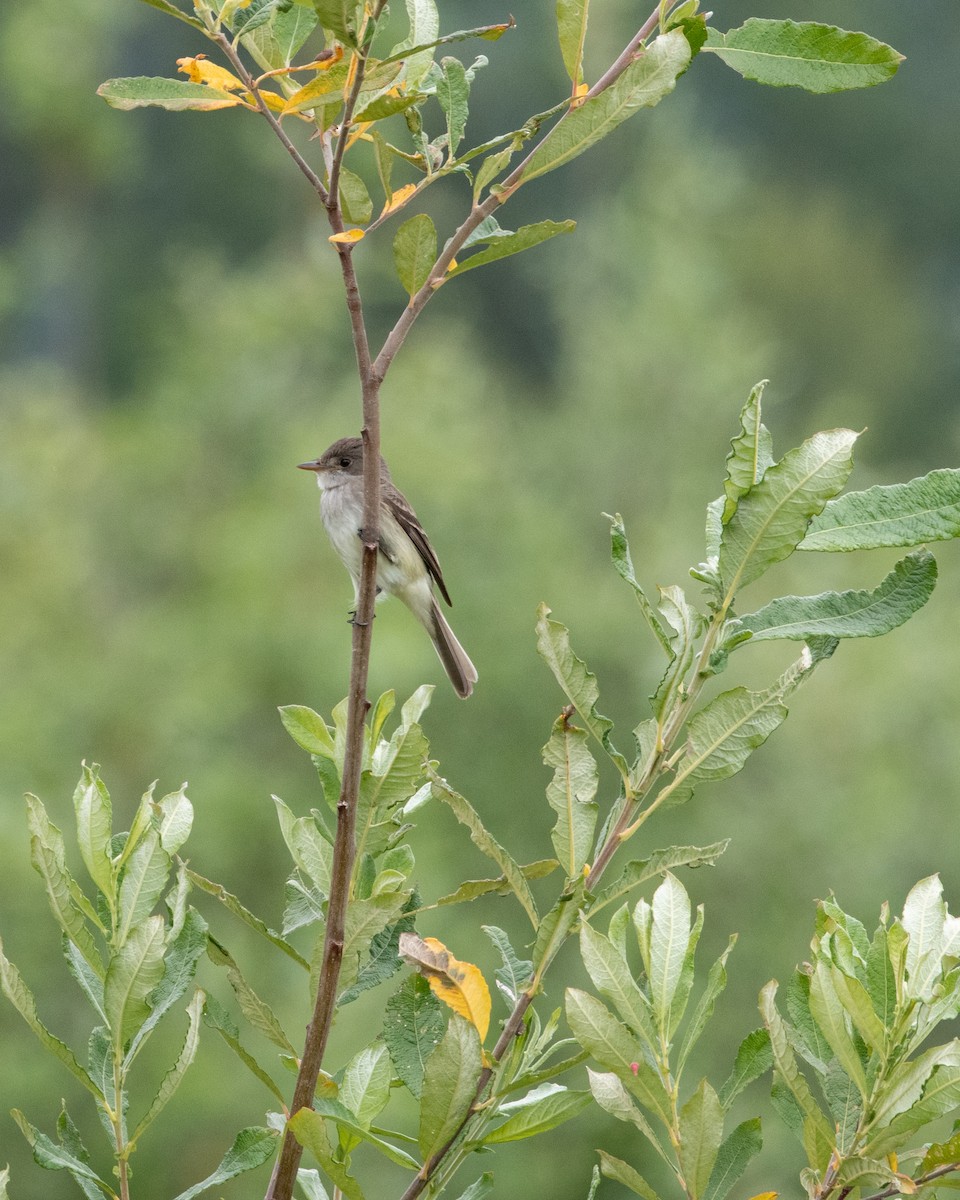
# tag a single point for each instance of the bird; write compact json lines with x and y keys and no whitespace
{"x":407,"y":565}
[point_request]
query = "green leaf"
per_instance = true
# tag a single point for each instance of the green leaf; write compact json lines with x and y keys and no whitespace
{"x":818,"y":58}
{"x":545,"y":1113}
{"x":831,"y":1017}
{"x":91,"y":803}
{"x":48,"y":1154}
{"x":685,"y":625}
{"x":133,"y":973}
{"x":471,"y":889}
{"x":310,"y":1131}
{"x":70,"y":1140}
{"x":309,"y":849}
{"x":20,"y":996}
{"x":233,"y":905}
{"x":669,"y":939}
{"x":926,"y":509}
{"x":479,"y":1188}
{"x":174,"y":1077}
{"x":277,"y":39}
{"x":383,"y":957}
{"x":180,"y":967}
{"x":716,"y":982}
{"x":449,"y":1084}
{"x":751,"y":452}
{"x":553,"y":930}
{"x":818,"y":1134}
{"x":639,"y":871}
{"x":175,"y":95}
{"x":610,"y":1094}
{"x":610,"y":1043}
{"x":487,"y":844}
{"x":325,"y":1107}
{"x":579,"y":684}
{"x":623,"y":563}
{"x":524,"y":238}
{"x":171,"y":10}
{"x":881,"y":983}
{"x":571,"y":793}
{"x":771,"y":519}
{"x":251,"y":1148}
{"x":308,"y":729}
{"x":259,"y":1014}
{"x":650,"y":77}
{"x":424,"y":32}
{"x":176,"y":820}
{"x":848,"y":614}
{"x":48,"y":855}
{"x":621,"y":1172}
{"x":490,"y":33}
{"x":735,"y":1153}
{"x":395,"y":774}
{"x":754,"y":1058}
{"x":856,"y":1001}
{"x":453,"y":92}
{"x":919,"y":1092}
{"x":701,"y":1132}
{"x":217,"y":1018}
{"x":340,"y":17}
{"x":572,"y":30}
{"x":415,"y":252}
{"x":413,"y":1024}
{"x":515,"y":973}
{"x":144,"y":878}
{"x":612,"y":978}
{"x":366,"y":919}
{"x":365,"y":1088}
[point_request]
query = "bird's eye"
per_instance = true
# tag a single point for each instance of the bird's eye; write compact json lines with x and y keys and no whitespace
{"x":344,"y":462}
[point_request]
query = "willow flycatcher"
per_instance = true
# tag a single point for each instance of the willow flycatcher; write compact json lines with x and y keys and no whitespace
{"x":407,"y":566}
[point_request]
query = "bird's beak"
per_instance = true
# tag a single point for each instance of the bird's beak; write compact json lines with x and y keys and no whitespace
{"x":310,"y":466}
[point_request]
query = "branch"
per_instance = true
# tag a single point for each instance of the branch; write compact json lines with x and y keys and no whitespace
{"x":251,"y":85}
{"x":895,"y":1190}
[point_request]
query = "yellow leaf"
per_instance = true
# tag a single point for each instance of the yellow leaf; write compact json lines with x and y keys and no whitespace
{"x":459,"y":985}
{"x":765,"y":1196}
{"x":452,"y":266}
{"x":399,"y":198}
{"x":579,"y":95}
{"x":351,"y":235}
{"x":322,"y":84}
{"x":272,"y":100}
{"x":201,"y":70}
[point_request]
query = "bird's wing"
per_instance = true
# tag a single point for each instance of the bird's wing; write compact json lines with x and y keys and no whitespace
{"x":407,"y":519}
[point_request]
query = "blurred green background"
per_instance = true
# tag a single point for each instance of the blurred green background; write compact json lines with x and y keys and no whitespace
{"x":173,"y":341}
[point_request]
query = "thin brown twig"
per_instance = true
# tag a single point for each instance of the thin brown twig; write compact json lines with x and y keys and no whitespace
{"x":895,"y":1190}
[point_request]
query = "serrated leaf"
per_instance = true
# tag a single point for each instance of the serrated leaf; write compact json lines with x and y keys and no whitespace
{"x":174,"y":1077}
{"x":48,"y":1154}
{"x":572,"y":31}
{"x":175,"y":95}
{"x":515,"y":973}
{"x":613,"y":1047}
{"x":453,"y":93}
{"x":547,"y":1113}
{"x":256,"y":1010}
{"x":658,"y":863}
{"x":650,"y":77}
{"x":133,"y":973}
{"x":525,"y":238}
{"x":818,"y":58}
{"x":926,"y":509}
{"x":716,"y":982}
{"x":701,"y":1132}
{"x":771,"y":519}
{"x":471,"y":889}
{"x":15,"y":989}
{"x":366,"y":920}
{"x":571,"y":793}
{"x":180,"y":967}
{"x":233,"y":905}
{"x":460,"y":985}
{"x":415,"y":252}
{"x":251,"y":1148}
{"x":487,"y":844}
{"x":217,"y":1018}
{"x":413,"y":1025}
{"x":751,"y":452}
{"x":623,"y":563}
{"x":732,"y":1158}
{"x":383,"y":957}
{"x":754,"y":1058}
{"x":848,"y":614}
{"x":449,"y":1085}
{"x":578,"y":683}
{"x":326,"y":1108}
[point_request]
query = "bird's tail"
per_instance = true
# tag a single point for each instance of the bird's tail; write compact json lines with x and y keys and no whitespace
{"x":456,"y":662}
